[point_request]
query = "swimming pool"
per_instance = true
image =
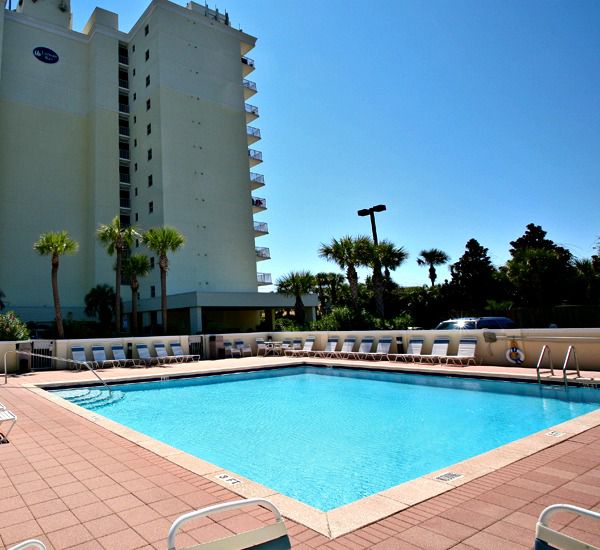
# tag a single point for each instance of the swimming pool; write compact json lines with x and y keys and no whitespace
{"x":328,"y":437}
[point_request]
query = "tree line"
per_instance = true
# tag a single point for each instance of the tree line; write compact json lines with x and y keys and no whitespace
{"x":538,"y":276}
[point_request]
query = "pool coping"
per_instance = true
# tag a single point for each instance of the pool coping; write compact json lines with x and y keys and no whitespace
{"x":357,"y":514}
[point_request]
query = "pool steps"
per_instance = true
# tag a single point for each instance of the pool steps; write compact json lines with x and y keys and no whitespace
{"x":93,"y":397}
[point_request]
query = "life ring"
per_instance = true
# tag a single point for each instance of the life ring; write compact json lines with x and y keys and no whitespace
{"x":514,"y":354}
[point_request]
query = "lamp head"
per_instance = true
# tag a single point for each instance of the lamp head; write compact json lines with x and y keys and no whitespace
{"x":363,"y":212}
{"x":379,"y":208}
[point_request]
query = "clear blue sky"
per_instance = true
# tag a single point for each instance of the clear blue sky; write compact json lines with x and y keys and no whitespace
{"x":467,"y":118}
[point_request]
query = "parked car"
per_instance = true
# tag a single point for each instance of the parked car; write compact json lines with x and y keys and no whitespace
{"x":470,"y":323}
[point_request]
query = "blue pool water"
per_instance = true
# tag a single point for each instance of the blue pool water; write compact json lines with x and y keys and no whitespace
{"x":328,"y":437}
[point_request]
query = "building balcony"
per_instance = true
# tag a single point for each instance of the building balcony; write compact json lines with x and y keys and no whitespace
{"x":123,"y":131}
{"x":260,"y":229}
{"x":256,"y":180}
{"x":124,"y":108}
{"x":125,"y":180}
{"x":249,"y":88}
{"x":123,"y":59}
{"x":264,"y":279}
{"x":253,"y":134}
{"x":247,"y":65}
{"x":124,"y":155}
{"x":125,"y":203}
{"x":123,"y":84}
{"x":254,"y":156}
{"x":262,"y":253}
{"x":258,"y":204}
{"x":251,"y":112}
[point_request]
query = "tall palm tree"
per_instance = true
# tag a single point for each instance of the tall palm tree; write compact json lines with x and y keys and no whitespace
{"x":162,"y":240}
{"x":100,"y":301}
{"x":384,"y":254}
{"x":349,"y":253}
{"x":135,"y":266}
{"x":117,"y":240}
{"x":56,"y":244}
{"x":297,"y":283}
{"x":432,"y":258}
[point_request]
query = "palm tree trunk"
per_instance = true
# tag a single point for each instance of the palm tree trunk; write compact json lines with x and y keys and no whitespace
{"x":299,"y":311}
{"x":378,"y":287}
{"x":164,"y":265}
{"x":57,"y":310}
{"x":134,"y":305}
{"x":432,"y":275}
{"x":118,"y":269}
{"x":352,"y":277}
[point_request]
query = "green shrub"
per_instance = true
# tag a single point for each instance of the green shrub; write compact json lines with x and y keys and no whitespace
{"x":12,"y":328}
{"x":285,"y":324}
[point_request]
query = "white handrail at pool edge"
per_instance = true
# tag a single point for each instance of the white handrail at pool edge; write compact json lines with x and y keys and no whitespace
{"x":72,"y":361}
{"x":545,"y":349}
{"x":570,"y":352}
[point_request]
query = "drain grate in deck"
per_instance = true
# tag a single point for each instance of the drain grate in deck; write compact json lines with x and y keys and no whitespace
{"x":555,"y":434}
{"x":448,"y":476}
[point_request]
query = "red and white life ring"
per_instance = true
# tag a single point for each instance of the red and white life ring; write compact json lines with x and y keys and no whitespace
{"x":515,"y":355}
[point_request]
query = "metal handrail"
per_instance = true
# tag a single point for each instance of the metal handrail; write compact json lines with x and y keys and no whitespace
{"x":570,"y":351}
{"x":545,"y":349}
{"x":72,"y":361}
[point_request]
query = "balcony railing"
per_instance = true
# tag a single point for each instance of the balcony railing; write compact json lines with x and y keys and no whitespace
{"x":249,"y":84}
{"x":123,"y":107}
{"x":257,"y":180}
{"x":123,"y":131}
{"x":248,"y":61}
{"x":125,"y":203}
{"x":253,"y":132}
{"x":253,"y":154}
{"x":123,"y":59}
{"x":263,"y":253}
{"x":123,"y":83}
{"x":261,"y":227}
{"x":264,"y":279}
{"x":257,"y":202}
{"x":251,"y":109}
{"x":123,"y":154}
{"x":124,"y":178}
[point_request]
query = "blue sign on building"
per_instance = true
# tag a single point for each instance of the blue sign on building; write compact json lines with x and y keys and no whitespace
{"x":45,"y":55}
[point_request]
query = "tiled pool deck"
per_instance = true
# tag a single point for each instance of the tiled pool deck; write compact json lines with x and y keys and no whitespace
{"x":73,"y":483}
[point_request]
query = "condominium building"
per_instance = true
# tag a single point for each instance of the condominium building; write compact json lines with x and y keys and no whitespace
{"x":154,"y":125}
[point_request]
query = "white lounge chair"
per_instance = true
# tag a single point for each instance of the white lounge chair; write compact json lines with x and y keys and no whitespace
{"x":347,"y":347}
{"x":261,"y":347}
{"x":413,"y":351}
{"x":329,"y":350}
{"x":100,"y":359}
{"x":145,"y":357}
{"x":244,"y":349}
{"x":439,"y":352}
{"x":383,"y":349}
{"x":229,"y":350}
{"x":27,"y":544}
{"x":549,"y":539}
{"x":364,"y":349}
{"x":286,"y":344}
{"x":161,"y":353}
{"x":269,"y":537}
{"x":179,"y":355}
{"x":78,"y":355}
{"x":465,"y":354}
{"x":305,"y":350}
{"x":121,"y":359}
{"x":6,"y":415}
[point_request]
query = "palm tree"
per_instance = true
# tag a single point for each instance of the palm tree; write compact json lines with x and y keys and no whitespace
{"x":55,"y":244}
{"x":2,"y":295}
{"x":391,"y":257}
{"x":349,"y":253}
{"x":162,"y":240}
{"x":137,"y":265}
{"x":587,"y":272}
{"x":100,"y":301}
{"x":297,"y":283}
{"x":117,"y":240}
{"x":432,"y":258}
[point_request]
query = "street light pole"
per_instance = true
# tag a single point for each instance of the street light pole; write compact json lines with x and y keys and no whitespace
{"x":377,"y":277}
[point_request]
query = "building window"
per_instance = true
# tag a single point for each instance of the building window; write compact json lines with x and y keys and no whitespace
{"x":152,"y":262}
{"x":147,"y":80}
{"x":149,"y":154}
{"x":146,"y":30}
{"x":134,"y":96}
{"x":135,"y":142}
{"x":133,"y":48}
{"x":136,"y":216}
{"x":135,"y":167}
{"x":133,"y":72}
{"x":137,"y":243}
{"x":152,"y":291}
{"x":134,"y":119}
{"x":148,"y":129}
{"x":147,"y":55}
{"x":136,"y":191}
{"x":150,"y":207}
{"x":150,"y":180}
{"x":148,"y":104}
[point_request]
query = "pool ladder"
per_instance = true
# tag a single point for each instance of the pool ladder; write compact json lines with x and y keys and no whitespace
{"x":571,"y":354}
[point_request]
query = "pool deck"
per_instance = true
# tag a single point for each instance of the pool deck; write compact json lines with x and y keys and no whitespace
{"x":76,"y":480}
